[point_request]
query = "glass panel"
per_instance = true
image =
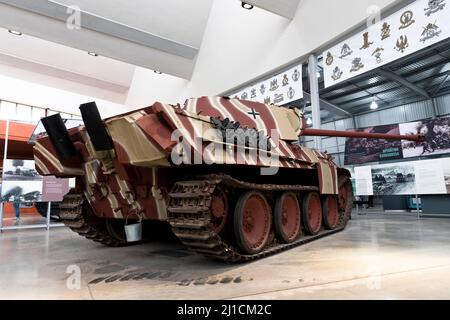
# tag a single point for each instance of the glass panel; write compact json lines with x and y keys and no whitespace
{"x":7,"y":110}
{"x":37,"y":114}
{"x":23,"y":113}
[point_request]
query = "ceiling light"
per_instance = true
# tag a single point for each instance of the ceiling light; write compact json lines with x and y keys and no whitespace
{"x":246,"y":5}
{"x":14,"y":32}
{"x":309,"y":121}
{"x":157,"y":72}
{"x":92,"y":54}
{"x":374,"y":105}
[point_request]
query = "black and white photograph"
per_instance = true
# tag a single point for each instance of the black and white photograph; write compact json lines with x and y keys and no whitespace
{"x":436,"y":133}
{"x":395,"y":179}
{"x":20,"y":170}
{"x":446,"y":171}
{"x":23,"y":191}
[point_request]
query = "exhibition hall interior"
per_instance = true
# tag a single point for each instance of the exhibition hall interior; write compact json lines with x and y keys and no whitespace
{"x":225,"y":150}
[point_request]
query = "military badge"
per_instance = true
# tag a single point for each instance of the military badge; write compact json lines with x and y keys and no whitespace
{"x":385,"y":31}
{"x":356,"y":65}
{"x":285,"y":80}
{"x":262,"y":89}
{"x":377,"y":54}
{"x":345,"y":51}
{"x":244,"y":96}
{"x":330,"y":59}
{"x":402,"y":44}
{"x":267,"y":100}
{"x":430,"y":31}
{"x":366,"y":41}
{"x":291,"y":93}
{"x":278,"y":98}
{"x":253,"y":94}
{"x":337,"y":74}
{"x":296,"y":75}
{"x":273,"y":85}
{"x":434,"y":6}
{"x":406,"y":19}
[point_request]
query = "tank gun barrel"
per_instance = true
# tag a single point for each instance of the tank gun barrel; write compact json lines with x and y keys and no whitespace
{"x":352,"y":134}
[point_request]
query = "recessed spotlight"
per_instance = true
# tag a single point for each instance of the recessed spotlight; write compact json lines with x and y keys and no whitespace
{"x":374,"y":105}
{"x":92,"y":54}
{"x":157,"y":72}
{"x":14,"y":32}
{"x":246,"y":6}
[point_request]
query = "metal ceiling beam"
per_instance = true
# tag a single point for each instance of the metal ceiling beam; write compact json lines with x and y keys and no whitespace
{"x":441,"y":85}
{"x":325,"y":105}
{"x":96,"y":23}
{"x":387,"y":73}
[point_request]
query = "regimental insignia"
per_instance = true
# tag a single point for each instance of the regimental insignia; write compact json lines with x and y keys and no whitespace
{"x":267,"y":100}
{"x":262,"y":89}
{"x":278,"y":98}
{"x":385,"y":31}
{"x":356,"y":65}
{"x":345,"y":51}
{"x":430,"y":31}
{"x":330,"y":59}
{"x":337,"y":74}
{"x":434,"y":6}
{"x":377,"y":54}
{"x":285,"y":80}
{"x":296,"y":75}
{"x":244,"y":96}
{"x":402,"y":44}
{"x":406,"y":19}
{"x":274,"y":85}
{"x":366,"y":41}
{"x":253,"y":93}
{"x":291,"y":93}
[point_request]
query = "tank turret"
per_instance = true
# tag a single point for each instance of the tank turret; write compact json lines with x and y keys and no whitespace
{"x":227,"y":176}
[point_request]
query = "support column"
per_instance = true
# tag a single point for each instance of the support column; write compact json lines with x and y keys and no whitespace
{"x":315,"y":99}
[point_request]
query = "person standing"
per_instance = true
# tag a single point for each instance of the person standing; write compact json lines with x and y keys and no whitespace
{"x":16,"y":204}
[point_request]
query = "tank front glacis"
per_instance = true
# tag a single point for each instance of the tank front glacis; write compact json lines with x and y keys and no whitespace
{"x":228,"y":176}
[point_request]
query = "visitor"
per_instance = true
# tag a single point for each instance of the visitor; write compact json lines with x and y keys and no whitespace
{"x":16,"y":204}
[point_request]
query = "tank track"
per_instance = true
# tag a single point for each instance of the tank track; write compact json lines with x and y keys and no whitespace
{"x":74,"y":214}
{"x":190,"y":217}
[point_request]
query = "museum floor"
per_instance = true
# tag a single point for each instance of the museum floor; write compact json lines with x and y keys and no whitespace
{"x":376,"y":257}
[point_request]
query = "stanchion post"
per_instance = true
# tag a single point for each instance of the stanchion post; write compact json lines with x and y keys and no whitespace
{"x":5,"y":155}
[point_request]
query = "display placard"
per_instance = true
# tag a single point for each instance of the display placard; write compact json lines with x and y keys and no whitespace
{"x":279,"y":89}
{"x":417,"y":26}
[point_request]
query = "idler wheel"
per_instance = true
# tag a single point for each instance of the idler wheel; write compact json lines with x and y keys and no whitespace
{"x":219,"y":210}
{"x":287,"y":217}
{"x":330,"y":209}
{"x":252,"y":222}
{"x":312,"y":213}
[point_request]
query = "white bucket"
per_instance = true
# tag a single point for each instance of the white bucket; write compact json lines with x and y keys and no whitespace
{"x":133,"y":231}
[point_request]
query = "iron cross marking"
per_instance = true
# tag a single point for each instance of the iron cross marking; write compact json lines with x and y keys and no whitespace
{"x":253,"y":113}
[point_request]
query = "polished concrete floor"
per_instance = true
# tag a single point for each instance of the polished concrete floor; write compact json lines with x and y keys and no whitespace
{"x":376,"y":257}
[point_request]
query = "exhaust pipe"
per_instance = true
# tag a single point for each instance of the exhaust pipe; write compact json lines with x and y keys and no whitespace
{"x":95,"y":127}
{"x":59,"y":137}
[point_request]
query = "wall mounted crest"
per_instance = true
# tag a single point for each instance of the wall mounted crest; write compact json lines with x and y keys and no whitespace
{"x":406,"y":19}
{"x":244,"y":96}
{"x":296,"y":75}
{"x":262,"y":88}
{"x":356,"y":65}
{"x":291,"y":93}
{"x":274,"y":85}
{"x":337,"y":74}
{"x":434,"y":6}
{"x":430,"y":31}
{"x":402,"y":44}
{"x":385,"y":31}
{"x":253,"y":93}
{"x":267,"y":100}
{"x":285,"y":80}
{"x":345,"y":51}
{"x":377,"y":54}
{"x":366,"y":42}
{"x":330,"y":59}
{"x":279,"y":97}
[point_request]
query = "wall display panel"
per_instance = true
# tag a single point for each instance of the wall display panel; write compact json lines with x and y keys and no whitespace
{"x":436,"y":133}
{"x":280,"y":89}
{"x":359,"y":151}
{"x":416,"y":26}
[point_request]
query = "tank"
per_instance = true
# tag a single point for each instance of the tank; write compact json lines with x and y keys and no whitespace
{"x":227,"y":176}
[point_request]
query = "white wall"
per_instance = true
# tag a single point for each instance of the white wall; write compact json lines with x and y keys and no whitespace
{"x":240,"y":45}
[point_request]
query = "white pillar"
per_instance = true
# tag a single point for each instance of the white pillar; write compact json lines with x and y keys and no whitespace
{"x":315,"y":99}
